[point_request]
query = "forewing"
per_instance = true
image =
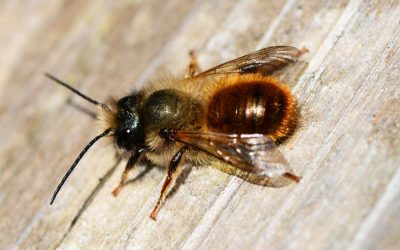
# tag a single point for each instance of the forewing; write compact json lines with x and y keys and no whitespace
{"x":252,"y":153}
{"x":265,"y":61}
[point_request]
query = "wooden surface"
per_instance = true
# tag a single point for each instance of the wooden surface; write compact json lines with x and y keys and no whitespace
{"x":347,"y":150}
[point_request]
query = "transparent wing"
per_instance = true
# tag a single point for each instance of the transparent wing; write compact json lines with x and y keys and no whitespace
{"x":254,"y":154}
{"x":265,"y":61}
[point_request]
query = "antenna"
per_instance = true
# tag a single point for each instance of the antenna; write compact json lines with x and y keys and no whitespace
{"x":87,"y":98}
{"x":83,"y":152}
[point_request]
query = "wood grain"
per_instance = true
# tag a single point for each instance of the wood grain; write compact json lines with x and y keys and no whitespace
{"x":347,"y":149}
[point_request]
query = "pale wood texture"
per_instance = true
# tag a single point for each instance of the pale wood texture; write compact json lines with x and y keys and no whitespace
{"x":347,"y":149}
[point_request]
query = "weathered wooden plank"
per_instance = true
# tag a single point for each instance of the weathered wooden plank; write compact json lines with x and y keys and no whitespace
{"x":347,"y":149}
{"x":77,"y":47}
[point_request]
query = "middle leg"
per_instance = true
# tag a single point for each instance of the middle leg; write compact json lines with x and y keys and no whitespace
{"x":172,"y":173}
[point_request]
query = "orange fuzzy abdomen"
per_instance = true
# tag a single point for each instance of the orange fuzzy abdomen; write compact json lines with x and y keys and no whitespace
{"x":264,"y":106}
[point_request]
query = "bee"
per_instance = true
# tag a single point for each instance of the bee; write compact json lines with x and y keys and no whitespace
{"x":231,"y":117}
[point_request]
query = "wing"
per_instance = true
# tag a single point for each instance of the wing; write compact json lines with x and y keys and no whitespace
{"x":255,"y":154}
{"x":265,"y":61}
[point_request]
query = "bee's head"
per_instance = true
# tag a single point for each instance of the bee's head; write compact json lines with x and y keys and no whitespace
{"x":129,"y":134}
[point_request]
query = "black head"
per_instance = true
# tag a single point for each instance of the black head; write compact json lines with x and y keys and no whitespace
{"x":130,"y":133}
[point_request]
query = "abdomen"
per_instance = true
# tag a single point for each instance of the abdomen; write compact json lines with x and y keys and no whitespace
{"x":262,"y":105}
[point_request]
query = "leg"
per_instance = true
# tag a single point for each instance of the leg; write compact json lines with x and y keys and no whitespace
{"x":172,"y":173}
{"x":303,"y":51}
{"x":129,"y":165}
{"x":291,"y":176}
{"x":193,"y":68}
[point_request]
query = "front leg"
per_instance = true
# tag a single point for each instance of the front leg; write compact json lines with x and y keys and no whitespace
{"x":172,"y":172}
{"x":129,"y":166}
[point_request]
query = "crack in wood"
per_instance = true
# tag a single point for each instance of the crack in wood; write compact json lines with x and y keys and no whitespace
{"x":89,"y":200}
